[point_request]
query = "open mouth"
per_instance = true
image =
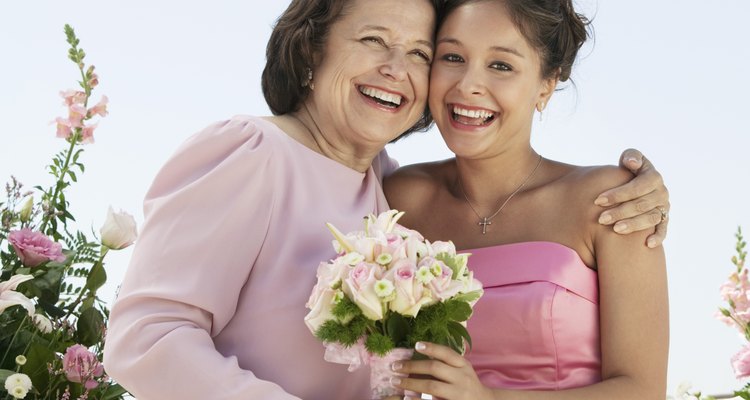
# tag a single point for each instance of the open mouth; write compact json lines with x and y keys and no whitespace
{"x":385,"y":99}
{"x":473,"y":117}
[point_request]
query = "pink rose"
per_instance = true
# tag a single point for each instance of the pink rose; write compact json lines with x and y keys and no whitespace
{"x":34,"y":248}
{"x":410,"y":293}
{"x":741,"y":363}
{"x":443,"y":286}
{"x":320,"y":304}
{"x":82,"y":366}
{"x":359,"y":286}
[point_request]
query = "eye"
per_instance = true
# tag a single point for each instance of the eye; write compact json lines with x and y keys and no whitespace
{"x":423,"y":55}
{"x":452,"y":58}
{"x":373,"y":39}
{"x":501,"y":66}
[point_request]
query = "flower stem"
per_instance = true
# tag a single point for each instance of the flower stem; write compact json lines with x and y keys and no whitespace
{"x":12,"y":340}
{"x":59,"y":183}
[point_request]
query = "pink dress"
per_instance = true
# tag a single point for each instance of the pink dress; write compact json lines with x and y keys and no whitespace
{"x":213,"y":302}
{"x":537,"y":325}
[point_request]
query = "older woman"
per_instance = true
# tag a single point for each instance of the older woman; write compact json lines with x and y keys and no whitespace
{"x":212,"y":305}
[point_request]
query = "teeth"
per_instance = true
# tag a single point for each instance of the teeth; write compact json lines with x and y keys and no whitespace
{"x":472,"y":113}
{"x":379,"y":94}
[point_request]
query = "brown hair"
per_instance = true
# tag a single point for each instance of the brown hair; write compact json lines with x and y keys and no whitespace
{"x":552,"y":27}
{"x":298,"y":37}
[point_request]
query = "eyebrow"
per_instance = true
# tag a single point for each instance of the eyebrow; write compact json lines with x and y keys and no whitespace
{"x":380,"y":28}
{"x":493,"y":48}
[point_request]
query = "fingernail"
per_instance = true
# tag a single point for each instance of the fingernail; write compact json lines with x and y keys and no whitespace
{"x":620,"y":227}
{"x":651,"y":242}
{"x":631,"y":159}
{"x":601,"y":201}
{"x":420,"y":346}
{"x":397,"y":365}
{"x":605,"y":219}
{"x":395,"y":380}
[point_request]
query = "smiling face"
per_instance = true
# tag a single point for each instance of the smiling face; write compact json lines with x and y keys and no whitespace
{"x":486,"y":81}
{"x":371,"y":83}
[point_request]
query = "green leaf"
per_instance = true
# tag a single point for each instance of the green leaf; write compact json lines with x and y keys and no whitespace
{"x":458,"y":310}
{"x":459,"y":332}
{"x":397,"y":327}
{"x":51,"y":309}
{"x":90,"y":327}
{"x":72,"y":175}
{"x":97,"y":277}
{"x":113,"y":392}
{"x":36,"y":364}
{"x":469,"y":297}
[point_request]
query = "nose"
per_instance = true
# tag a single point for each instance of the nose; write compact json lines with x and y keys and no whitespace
{"x":471,"y":83}
{"x":394,"y":66}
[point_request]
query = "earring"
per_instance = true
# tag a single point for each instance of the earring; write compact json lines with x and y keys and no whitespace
{"x":540,"y":108}
{"x":309,"y":81}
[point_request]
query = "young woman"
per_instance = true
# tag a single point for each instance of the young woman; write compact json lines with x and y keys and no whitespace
{"x":571,"y":309}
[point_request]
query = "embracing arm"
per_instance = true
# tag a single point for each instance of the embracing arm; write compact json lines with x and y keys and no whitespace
{"x":641,"y":204}
{"x":193,"y":256}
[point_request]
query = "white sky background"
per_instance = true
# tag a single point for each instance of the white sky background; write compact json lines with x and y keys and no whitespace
{"x":667,"y":77}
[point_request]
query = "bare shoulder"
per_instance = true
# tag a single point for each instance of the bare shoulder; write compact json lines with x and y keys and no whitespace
{"x":411,"y":186}
{"x":590,"y":181}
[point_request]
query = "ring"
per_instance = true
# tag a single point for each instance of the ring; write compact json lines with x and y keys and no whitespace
{"x":664,"y":214}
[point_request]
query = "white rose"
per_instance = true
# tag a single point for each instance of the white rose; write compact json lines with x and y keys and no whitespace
{"x":119,"y":230}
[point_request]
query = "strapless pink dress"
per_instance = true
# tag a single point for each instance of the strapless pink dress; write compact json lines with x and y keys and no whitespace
{"x":537,"y":325}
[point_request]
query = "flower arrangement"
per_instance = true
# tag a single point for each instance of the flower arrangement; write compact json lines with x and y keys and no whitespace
{"x":736,"y":313}
{"x":52,"y":324}
{"x":388,"y":289}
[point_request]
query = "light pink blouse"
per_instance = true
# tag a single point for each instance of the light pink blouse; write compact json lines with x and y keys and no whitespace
{"x":213,"y":302}
{"x":537,"y":325}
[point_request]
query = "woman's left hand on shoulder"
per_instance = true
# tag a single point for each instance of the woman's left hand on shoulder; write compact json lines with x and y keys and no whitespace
{"x":642,"y":203}
{"x":446,"y":375}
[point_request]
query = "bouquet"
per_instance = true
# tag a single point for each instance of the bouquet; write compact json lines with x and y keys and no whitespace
{"x":52,"y":323}
{"x":388,"y":289}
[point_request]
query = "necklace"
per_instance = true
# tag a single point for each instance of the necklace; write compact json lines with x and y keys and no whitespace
{"x":484,"y":221}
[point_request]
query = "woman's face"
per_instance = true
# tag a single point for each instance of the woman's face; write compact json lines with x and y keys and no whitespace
{"x":486,"y":81}
{"x":372,"y":81}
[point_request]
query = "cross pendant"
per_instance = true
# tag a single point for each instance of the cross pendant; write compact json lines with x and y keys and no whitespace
{"x":484,"y":222}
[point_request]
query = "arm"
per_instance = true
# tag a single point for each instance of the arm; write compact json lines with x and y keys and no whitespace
{"x":195,"y":252}
{"x":641,"y":203}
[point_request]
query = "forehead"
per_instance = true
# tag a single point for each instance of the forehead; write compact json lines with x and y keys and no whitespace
{"x":485,"y":22}
{"x":410,"y":19}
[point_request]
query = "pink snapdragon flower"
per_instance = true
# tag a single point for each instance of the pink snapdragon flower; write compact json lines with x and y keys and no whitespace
{"x":100,"y":108}
{"x":64,"y":128}
{"x":82,"y":366}
{"x":73,"y":97}
{"x":87,"y":134}
{"x":76,"y":114}
{"x":34,"y":248}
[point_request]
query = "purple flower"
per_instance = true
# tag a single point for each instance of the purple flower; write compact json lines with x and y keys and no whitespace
{"x":82,"y":366}
{"x":34,"y":248}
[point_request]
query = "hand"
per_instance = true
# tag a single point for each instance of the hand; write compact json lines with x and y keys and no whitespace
{"x":642,"y":203}
{"x":447,"y":375}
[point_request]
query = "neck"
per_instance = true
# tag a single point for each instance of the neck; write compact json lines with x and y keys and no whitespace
{"x":487,"y":183}
{"x":337,"y":146}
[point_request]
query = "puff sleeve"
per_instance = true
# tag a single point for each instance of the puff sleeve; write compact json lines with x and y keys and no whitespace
{"x":206,"y":217}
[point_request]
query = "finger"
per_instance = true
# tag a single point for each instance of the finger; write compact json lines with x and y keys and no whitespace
{"x":632,"y":208}
{"x":432,"y":387}
{"x":442,"y":353}
{"x":642,"y":222}
{"x":648,"y":180}
{"x":632,"y":159}
{"x":657,"y":238}
{"x":431,"y":368}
